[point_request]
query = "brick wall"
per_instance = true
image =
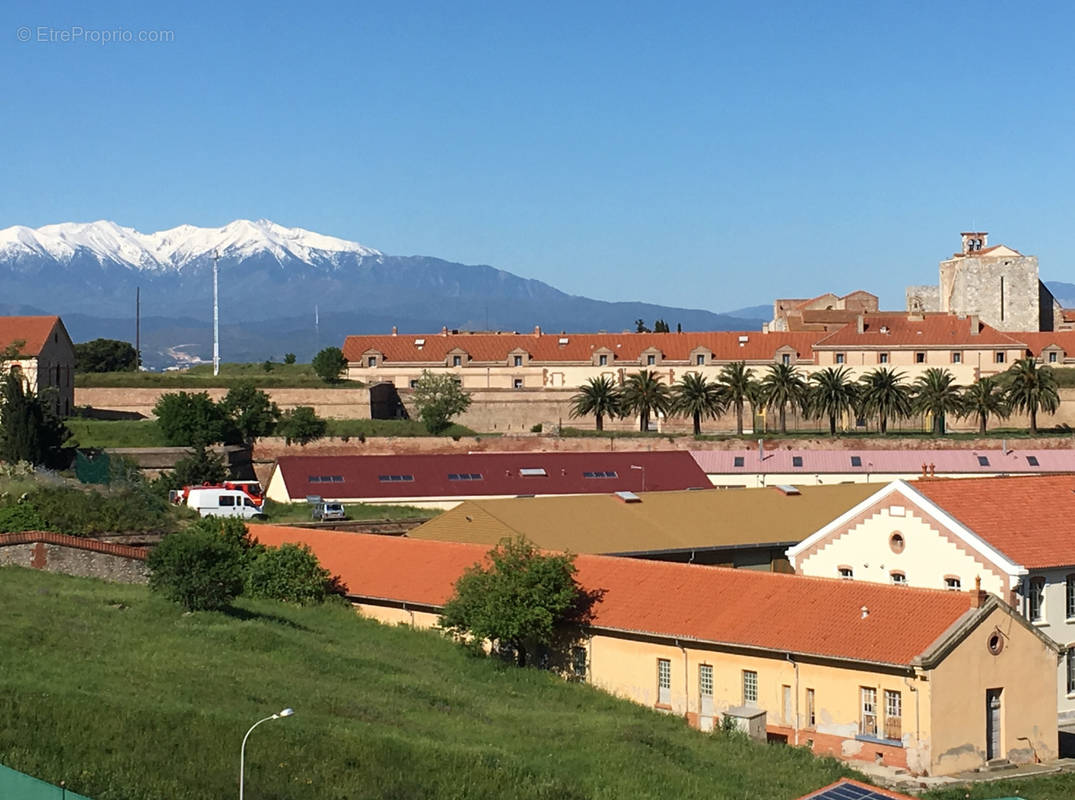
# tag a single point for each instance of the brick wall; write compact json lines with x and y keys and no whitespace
{"x":72,"y":555}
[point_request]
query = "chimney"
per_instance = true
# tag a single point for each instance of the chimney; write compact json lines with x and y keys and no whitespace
{"x":444,"y":330}
{"x":925,"y":470}
{"x":860,"y":323}
{"x":865,"y":612}
{"x":395,"y":331}
{"x":974,"y":325}
{"x":761,"y":449}
{"x":932,"y":470}
{"x":537,"y":331}
{"x":977,"y":596}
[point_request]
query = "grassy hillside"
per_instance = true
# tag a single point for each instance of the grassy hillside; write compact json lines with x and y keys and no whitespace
{"x":124,"y":696}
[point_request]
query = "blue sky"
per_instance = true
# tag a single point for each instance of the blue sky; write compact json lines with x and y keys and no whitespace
{"x":697,"y":154}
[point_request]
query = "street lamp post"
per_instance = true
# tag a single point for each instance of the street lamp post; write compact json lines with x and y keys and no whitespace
{"x":636,"y":466}
{"x":287,"y":712}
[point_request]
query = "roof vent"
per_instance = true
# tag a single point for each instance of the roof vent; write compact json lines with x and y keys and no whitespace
{"x":884,"y":329}
{"x":629,"y":497}
{"x":419,"y":343}
{"x":743,"y":340}
{"x":562,"y":341}
{"x":865,"y":612}
{"x":788,"y":490}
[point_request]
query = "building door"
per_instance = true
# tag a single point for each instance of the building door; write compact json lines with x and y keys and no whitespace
{"x":992,"y":724}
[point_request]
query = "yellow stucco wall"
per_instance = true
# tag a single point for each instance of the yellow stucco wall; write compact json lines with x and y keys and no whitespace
{"x":1025,"y":671}
{"x":927,"y":557}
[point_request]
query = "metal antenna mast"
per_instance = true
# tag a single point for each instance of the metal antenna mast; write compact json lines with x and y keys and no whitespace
{"x":216,"y":317}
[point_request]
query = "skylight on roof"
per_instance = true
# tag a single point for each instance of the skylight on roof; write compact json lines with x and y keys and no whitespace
{"x":856,"y":461}
{"x":532,"y":472}
{"x":419,"y":342}
{"x":1032,"y":461}
{"x":983,"y":461}
{"x":739,"y":461}
{"x":395,"y":478}
{"x":629,"y":497}
{"x":600,"y":474}
{"x":563,"y":340}
{"x":783,"y":488}
{"x":796,"y":461}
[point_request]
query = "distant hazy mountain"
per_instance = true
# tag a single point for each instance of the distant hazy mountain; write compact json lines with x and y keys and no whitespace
{"x":1064,"y":292}
{"x":282,"y":290}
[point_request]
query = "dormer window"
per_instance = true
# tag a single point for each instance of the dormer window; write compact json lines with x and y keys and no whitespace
{"x":518,"y":361}
{"x":371,"y":361}
{"x":651,"y":360}
{"x":699,"y":360}
{"x":457,"y":361}
{"x":602,"y":361}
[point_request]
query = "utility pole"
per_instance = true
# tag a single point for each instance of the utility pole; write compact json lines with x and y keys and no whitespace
{"x":137,"y":328}
{"x":216,"y":317}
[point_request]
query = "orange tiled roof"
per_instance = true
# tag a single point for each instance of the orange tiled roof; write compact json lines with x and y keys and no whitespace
{"x":1038,"y":341}
{"x":1067,"y":314}
{"x":786,"y":613}
{"x":929,"y":330}
{"x":1029,"y":519}
{"x":34,"y":331}
{"x":580,"y":347}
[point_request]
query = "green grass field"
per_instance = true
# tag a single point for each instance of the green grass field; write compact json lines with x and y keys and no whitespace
{"x":124,"y":696}
{"x":201,"y":377}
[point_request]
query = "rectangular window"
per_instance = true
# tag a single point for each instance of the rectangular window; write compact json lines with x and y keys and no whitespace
{"x":372,"y":361}
{"x":882,"y":358}
{"x":517,"y":383}
{"x":664,"y":682}
{"x":952,"y":583}
{"x":413,"y":383}
{"x":839,"y":358}
{"x":738,"y":461}
{"x":898,"y":577}
{"x":810,"y":719}
{"x":602,"y":361}
{"x":1032,"y":461}
{"x":786,"y":359}
{"x":957,"y":357}
{"x":786,"y":706}
{"x":651,"y":360}
{"x":578,"y":661}
{"x":999,"y":357}
{"x":605,"y":474}
{"x":699,"y":360}
{"x":920,"y":357}
{"x":856,"y":461}
{"x":395,"y":478}
{"x":1036,"y":600}
{"x":1052,"y":357}
{"x":847,"y":573}
{"x":457,"y":361}
{"x":796,"y":461}
{"x":705,"y":680}
{"x":893,"y":715}
{"x":225,"y":500}
{"x":518,"y":361}
{"x":1069,"y":596}
{"x":1071,"y":671}
{"x":750,"y":687}
{"x":868,"y":716}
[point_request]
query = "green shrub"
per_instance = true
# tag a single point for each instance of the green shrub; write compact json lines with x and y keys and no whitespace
{"x":290,"y":573}
{"x":82,"y":513}
{"x":197,"y":568}
{"x":301,"y":425}
{"x":20,"y":517}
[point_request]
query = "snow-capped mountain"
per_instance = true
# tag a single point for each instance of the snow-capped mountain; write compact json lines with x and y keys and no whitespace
{"x":281,"y":290}
{"x":174,"y":248}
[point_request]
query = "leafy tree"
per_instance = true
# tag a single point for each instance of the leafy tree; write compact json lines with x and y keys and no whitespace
{"x":697,"y":398}
{"x":640,"y":326}
{"x":783,"y":386}
{"x":519,"y":598}
{"x":201,"y":466}
{"x":187,"y":417}
{"x":936,"y":393}
{"x":598,"y":396}
{"x":289,"y":358}
{"x":250,"y":411}
{"x":644,"y":394}
{"x":660,"y":326}
{"x":267,"y":365}
{"x":737,"y":387}
{"x":883,"y":392}
{"x":290,"y":573}
{"x":197,"y":568}
{"x":105,"y":355}
{"x":438,"y":398}
{"x":29,"y":430}
{"x":329,"y":363}
{"x":983,"y":398}
{"x":301,"y":425}
{"x":832,"y":394}
{"x":1032,"y":388}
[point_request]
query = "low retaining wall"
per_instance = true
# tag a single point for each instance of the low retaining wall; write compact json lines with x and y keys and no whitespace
{"x":73,"y":555}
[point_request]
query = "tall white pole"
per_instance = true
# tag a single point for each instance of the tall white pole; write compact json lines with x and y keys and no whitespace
{"x":287,"y":712}
{"x":216,"y":317}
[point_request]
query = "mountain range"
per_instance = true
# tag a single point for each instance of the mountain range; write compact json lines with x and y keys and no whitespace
{"x":283,"y":290}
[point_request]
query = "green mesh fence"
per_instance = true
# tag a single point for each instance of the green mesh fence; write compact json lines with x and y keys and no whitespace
{"x":91,"y":466}
{"x":23,"y":787}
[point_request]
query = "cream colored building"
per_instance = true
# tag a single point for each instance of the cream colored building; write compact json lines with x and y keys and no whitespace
{"x":40,"y":350}
{"x":1013,"y":537}
{"x":932,"y":681}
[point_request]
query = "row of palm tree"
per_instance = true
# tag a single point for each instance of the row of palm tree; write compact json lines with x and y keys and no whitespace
{"x":883,"y":394}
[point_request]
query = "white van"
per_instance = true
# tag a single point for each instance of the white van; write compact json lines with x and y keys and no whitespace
{"x":217,"y":502}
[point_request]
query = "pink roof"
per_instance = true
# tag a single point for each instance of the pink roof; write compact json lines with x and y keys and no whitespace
{"x":500,"y":474}
{"x":724,"y":462}
{"x":786,"y":613}
{"x":580,"y":347}
{"x":1031,"y":519}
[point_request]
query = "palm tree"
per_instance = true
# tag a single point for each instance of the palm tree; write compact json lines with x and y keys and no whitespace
{"x":783,"y":386}
{"x":984,"y":397}
{"x":884,"y":393}
{"x":1032,"y":389}
{"x":643,"y":393}
{"x":737,"y":387}
{"x":936,"y":393}
{"x":696,"y":397}
{"x":832,"y":394}
{"x":600,"y":397}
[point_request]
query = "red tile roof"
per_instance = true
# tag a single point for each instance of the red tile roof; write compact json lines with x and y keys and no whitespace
{"x":664,"y":470}
{"x":929,"y":330}
{"x":784,"y":613}
{"x":1030,"y":519}
{"x":34,"y":331}
{"x":1037,"y":341}
{"x":626,"y":347}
